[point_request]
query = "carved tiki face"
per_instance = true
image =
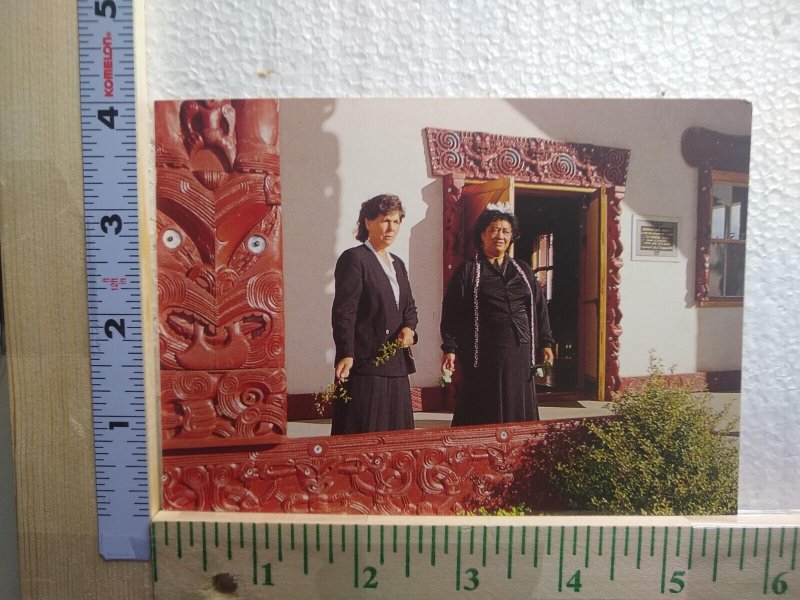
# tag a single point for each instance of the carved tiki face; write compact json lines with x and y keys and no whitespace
{"x":220,"y":279}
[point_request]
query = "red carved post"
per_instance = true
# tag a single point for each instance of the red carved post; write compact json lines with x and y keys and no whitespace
{"x":220,"y":273}
{"x":613,"y":312}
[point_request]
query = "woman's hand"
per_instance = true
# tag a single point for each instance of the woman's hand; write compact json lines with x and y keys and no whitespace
{"x":342,"y":369}
{"x":449,"y":362}
{"x":406,"y":337}
{"x":548,"y":355}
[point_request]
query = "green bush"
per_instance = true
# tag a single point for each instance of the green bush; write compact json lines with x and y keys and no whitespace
{"x":518,"y":510}
{"x":664,"y":453}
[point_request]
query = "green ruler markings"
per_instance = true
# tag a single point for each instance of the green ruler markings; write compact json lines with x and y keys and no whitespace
{"x":577,"y":560}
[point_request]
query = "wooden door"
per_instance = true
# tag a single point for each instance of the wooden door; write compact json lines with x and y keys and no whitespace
{"x":475,"y":198}
{"x":593,"y":288}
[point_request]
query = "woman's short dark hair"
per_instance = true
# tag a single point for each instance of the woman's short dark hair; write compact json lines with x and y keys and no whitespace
{"x":488,"y":217}
{"x":373,"y":208}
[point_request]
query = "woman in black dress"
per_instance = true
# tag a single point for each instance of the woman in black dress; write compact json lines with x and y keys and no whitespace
{"x":373,"y":305}
{"x":494,"y":321}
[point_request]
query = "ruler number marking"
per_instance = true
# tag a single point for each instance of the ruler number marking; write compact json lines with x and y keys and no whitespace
{"x":100,"y":9}
{"x":575,"y":581}
{"x":676,"y":579}
{"x":113,"y":324}
{"x":113,"y":220}
{"x":472,"y":576}
{"x":267,"y":574}
{"x":779,"y":585}
{"x":107,"y":115}
{"x":371,"y":583}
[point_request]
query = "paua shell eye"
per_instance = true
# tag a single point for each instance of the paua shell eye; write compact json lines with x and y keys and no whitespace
{"x":256,"y":244}
{"x":171,"y":238}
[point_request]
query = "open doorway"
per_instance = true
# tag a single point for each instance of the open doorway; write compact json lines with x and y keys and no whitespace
{"x":551,"y":242}
{"x":564,"y":239}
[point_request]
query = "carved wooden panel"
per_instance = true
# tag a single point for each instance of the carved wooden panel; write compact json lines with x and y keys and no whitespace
{"x":460,"y":155}
{"x":481,"y":155}
{"x":421,"y":473}
{"x":220,"y":273}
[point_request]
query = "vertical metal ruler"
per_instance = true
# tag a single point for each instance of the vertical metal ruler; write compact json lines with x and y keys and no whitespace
{"x":108,"y":121}
{"x":493,"y":560}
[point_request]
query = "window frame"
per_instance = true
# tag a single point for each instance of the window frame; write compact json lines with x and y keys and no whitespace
{"x":732,"y":178}
{"x":719,"y":158}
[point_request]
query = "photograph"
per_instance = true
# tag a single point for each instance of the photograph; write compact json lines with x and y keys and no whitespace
{"x":450,"y":306}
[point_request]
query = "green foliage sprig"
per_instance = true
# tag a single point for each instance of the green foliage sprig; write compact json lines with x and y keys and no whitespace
{"x":329,"y":394}
{"x":445,"y":378}
{"x":541,"y":369}
{"x":387,"y":351}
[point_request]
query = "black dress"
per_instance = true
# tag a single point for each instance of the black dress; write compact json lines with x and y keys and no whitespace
{"x":486,"y":322}
{"x":365,"y":315}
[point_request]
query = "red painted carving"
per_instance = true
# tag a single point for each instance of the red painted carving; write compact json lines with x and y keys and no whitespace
{"x":424,"y":472}
{"x":220,"y":273}
{"x":487,"y":156}
{"x":458,"y":155}
{"x":613,"y":312}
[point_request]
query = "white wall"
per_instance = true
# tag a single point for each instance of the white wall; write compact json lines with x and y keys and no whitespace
{"x":337,"y":153}
{"x":577,"y":48}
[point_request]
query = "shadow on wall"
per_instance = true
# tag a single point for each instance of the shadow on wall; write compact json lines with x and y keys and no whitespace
{"x":428,"y":298}
{"x":311,"y":192}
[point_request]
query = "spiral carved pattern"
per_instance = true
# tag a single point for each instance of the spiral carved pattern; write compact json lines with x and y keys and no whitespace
{"x":275,"y":348}
{"x":192,"y":385}
{"x":265,"y":291}
{"x":510,"y":161}
{"x":222,"y":475}
{"x":237,"y":393}
{"x":452,"y":161}
{"x":563,"y":166}
{"x":616,"y":166}
{"x":448,"y":140}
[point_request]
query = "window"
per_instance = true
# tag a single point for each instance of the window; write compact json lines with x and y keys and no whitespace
{"x":542,"y":263}
{"x":722,"y":163}
{"x":726,"y":242}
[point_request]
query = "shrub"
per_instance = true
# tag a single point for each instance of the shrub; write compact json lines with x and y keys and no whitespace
{"x":664,"y":453}
{"x":517,"y":510}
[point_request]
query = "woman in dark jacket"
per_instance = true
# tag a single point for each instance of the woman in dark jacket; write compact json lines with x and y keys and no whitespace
{"x":494,"y":321}
{"x":373,"y":305}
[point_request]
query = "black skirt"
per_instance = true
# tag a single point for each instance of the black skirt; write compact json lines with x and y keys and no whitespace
{"x":376,"y":404}
{"x":500,"y":390}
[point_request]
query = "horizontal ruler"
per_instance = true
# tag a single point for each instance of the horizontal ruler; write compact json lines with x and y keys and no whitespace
{"x":108,"y":121}
{"x":336,"y":560}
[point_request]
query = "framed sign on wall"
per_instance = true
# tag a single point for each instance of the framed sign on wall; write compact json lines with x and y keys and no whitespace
{"x":655,"y":239}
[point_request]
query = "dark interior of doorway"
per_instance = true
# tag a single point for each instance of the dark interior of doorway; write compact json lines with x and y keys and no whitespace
{"x":560,"y":216}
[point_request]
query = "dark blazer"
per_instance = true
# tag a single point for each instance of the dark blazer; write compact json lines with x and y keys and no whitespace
{"x":365,"y":314}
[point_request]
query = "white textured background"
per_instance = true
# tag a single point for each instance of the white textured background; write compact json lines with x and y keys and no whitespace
{"x":748,"y":49}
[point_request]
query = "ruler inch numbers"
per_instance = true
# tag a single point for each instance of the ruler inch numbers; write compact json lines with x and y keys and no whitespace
{"x":108,"y":123}
{"x":482,"y":561}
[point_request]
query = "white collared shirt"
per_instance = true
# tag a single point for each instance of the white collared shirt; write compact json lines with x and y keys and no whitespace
{"x":389,"y":270}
